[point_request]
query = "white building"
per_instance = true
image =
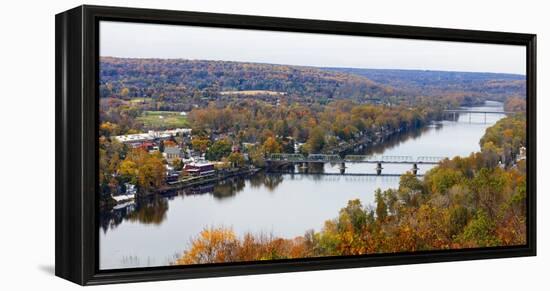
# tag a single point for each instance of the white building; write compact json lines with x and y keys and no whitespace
{"x":138,"y":138}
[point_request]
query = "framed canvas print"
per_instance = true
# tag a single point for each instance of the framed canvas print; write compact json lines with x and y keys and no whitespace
{"x":197,"y":144}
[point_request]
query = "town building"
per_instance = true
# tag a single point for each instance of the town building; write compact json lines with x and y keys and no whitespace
{"x":137,"y":139}
{"x":172,"y":154}
{"x":199,"y":169}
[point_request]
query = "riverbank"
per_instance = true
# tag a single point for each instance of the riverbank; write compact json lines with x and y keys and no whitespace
{"x":380,"y":139}
{"x":188,"y":183}
{"x":201,"y":180}
{"x":382,"y":136}
{"x":367,"y":141}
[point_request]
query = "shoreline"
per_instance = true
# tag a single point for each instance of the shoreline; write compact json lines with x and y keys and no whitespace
{"x":175,"y":185}
{"x":206,"y":180}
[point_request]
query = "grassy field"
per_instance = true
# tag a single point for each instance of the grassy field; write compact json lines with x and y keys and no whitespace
{"x":141,"y":100}
{"x":163,"y":120}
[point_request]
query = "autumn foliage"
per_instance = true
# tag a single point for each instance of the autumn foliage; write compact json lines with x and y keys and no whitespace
{"x":468,"y":202}
{"x":120,"y":165}
{"x":221,"y":245}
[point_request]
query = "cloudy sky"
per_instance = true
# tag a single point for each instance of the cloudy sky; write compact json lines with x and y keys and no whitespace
{"x":120,"y":39}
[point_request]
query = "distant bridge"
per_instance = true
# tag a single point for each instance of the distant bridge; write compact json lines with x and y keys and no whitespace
{"x":348,"y":177}
{"x":367,"y":159}
{"x":454,"y":112}
{"x":477,"y":111}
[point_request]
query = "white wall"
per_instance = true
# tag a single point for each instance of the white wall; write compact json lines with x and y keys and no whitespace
{"x":27,"y":118}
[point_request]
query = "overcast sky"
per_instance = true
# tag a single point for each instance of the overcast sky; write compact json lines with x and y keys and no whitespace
{"x":120,"y":39}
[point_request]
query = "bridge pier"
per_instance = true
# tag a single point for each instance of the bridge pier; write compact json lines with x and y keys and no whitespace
{"x":379,"y":168}
{"x":342,"y":168}
{"x":415,"y":169}
{"x":304,"y":167}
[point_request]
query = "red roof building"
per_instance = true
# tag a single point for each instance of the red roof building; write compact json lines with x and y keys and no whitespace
{"x":202,"y":169}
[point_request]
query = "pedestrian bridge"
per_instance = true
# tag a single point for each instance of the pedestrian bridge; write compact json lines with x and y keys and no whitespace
{"x":349,"y":177}
{"x":369,"y":159}
{"x":477,"y":111}
{"x":456,"y":112}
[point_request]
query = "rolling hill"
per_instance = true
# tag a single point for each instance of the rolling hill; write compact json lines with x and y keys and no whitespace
{"x":180,"y":84}
{"x":487,"y":86}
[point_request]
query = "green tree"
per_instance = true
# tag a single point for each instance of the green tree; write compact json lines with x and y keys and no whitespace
{"x":356,"y":214}
{"x":441,"y":179}
{"x":200,"y":144}
{"x":236,"y":159}
{"x":410,"y":189}
{"x":218,"y":150}
{"x":381,"y":207}
{"x":459,"y":217}
{"x":316,"y":140}
{"x":480,"y":232}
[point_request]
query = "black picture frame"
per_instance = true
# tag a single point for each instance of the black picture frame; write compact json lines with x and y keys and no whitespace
{"x":76,"y":115}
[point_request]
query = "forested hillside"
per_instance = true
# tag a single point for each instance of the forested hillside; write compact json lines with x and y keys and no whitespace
{"x":473,"y":86}
{"x":144,"y":94}
{"x":178,"y":83}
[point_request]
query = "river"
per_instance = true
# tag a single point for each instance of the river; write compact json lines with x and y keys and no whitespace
{"x":154,"y":232}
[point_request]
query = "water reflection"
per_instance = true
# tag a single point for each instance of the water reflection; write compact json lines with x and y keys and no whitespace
{"x":269,"y":181}
{"x":145,"y":211}
{"x":109,"y":219}
{"x":150,"y":212}
{"x":397,"y":139}
{"x":228,"y":188}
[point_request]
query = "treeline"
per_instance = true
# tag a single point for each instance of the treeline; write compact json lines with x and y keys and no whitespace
{"x":466,"y":202}
{"x":474,"y":88}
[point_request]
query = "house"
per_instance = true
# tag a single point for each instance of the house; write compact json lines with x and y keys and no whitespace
{"x":172,"y":153}
{"x":522,"y":154}
{"x":199,"y":169}
{"x":147,"y":145}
